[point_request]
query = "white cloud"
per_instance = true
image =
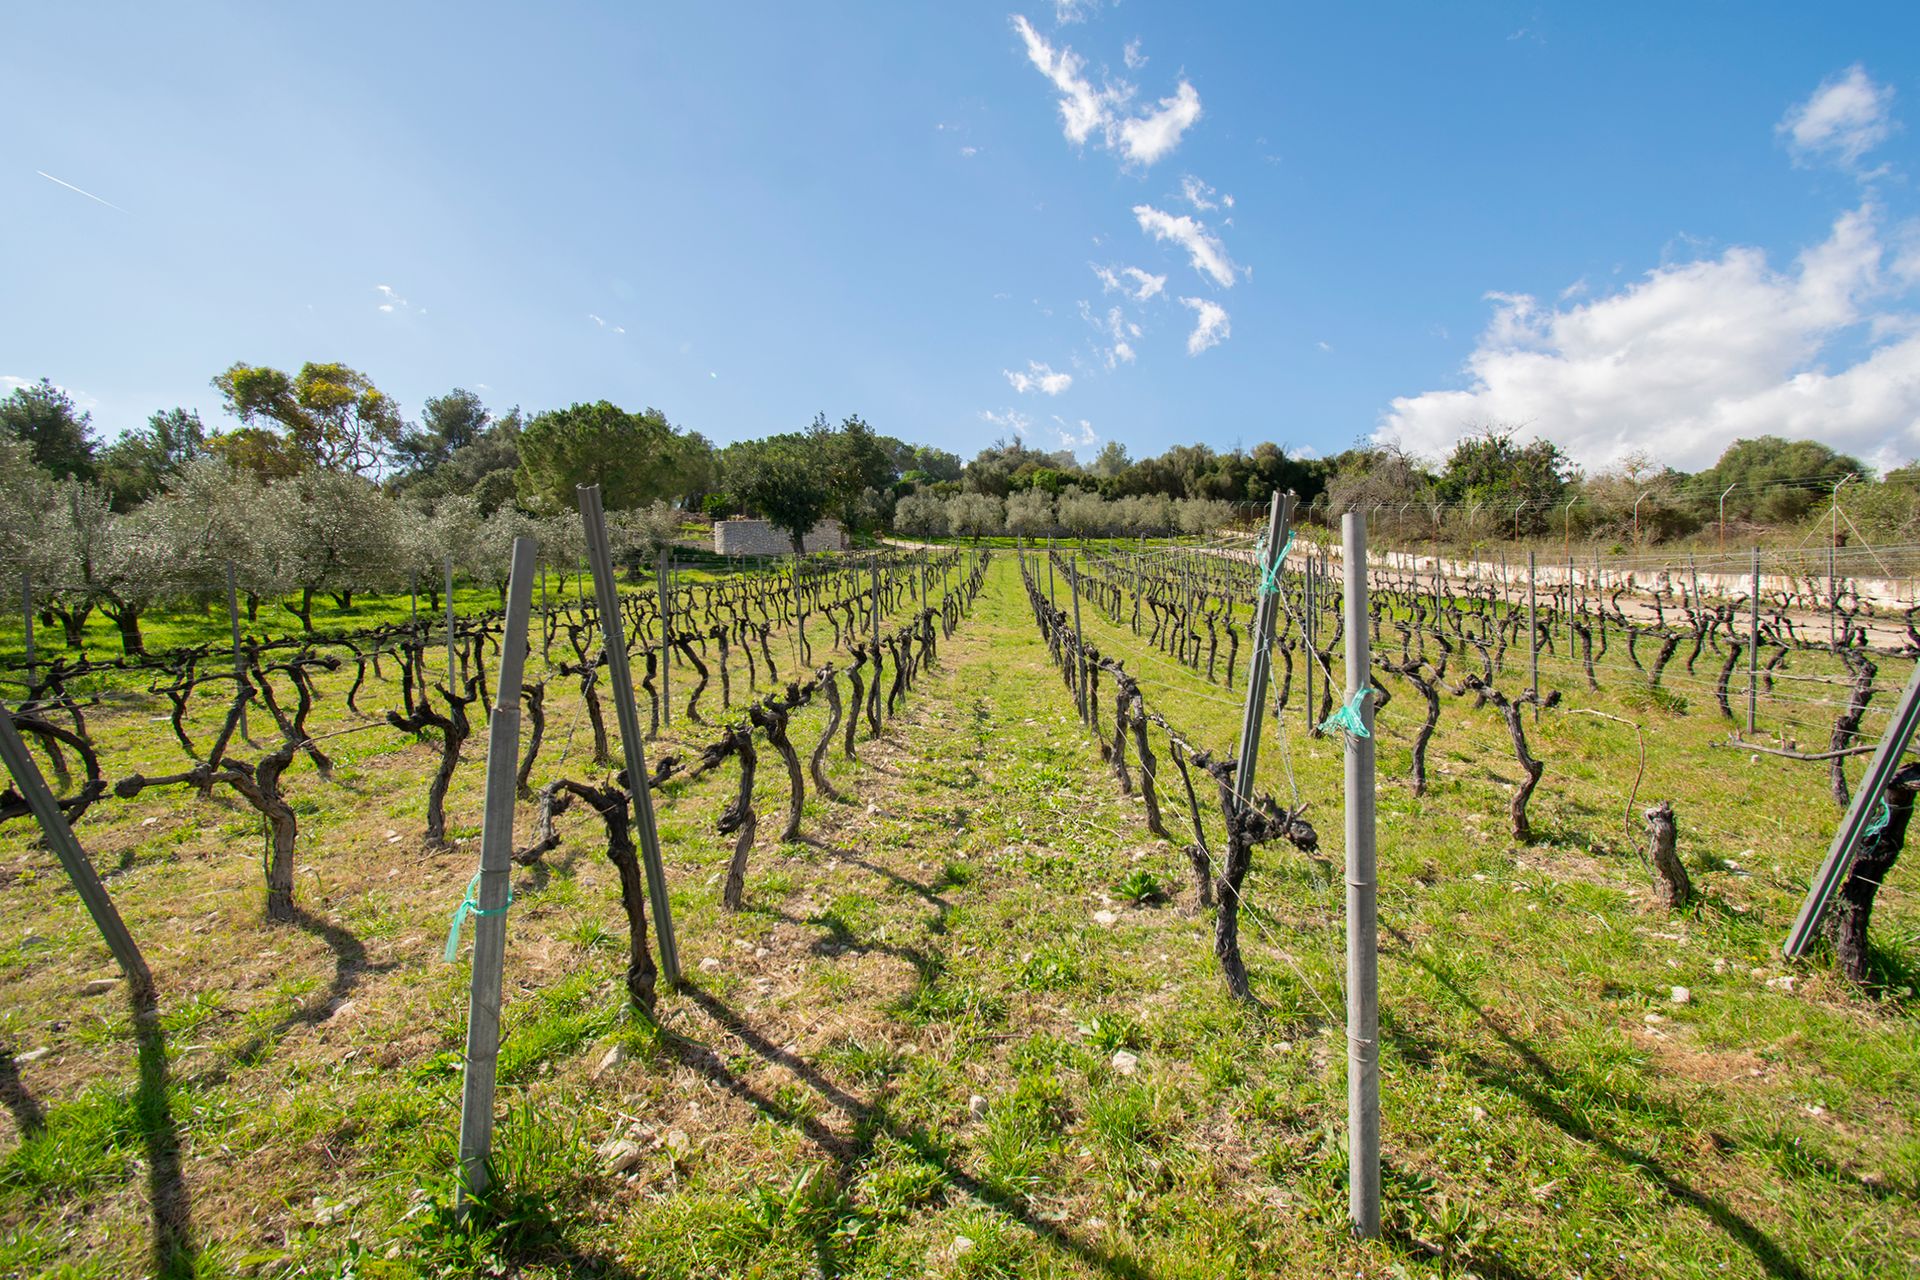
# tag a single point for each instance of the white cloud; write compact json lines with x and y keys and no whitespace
{"x":1695,"y":355}
{"x":1199,"y":194}
{"x":1134,"y":58}
{"x":1324,"y":345}
{"x":1039,"y":377}
{"x":1208,"y":254}
{"x":1101,"y":113}
{"x":1009,"y":420}
{"x":390,"y":301}
{"x":969,"y":152}
{"x":1132,"y":281}
{"x":1074,"y":435}
{"x":1068,"y":12}
{"x":1210,"y":326}
{"x":1082,"y":107}
{"x":596,"y":319}
{"x":1147,"y":138}
{"x":1846,"y":117}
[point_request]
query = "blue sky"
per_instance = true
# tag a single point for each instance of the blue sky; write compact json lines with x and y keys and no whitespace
{"x":1624,"y":227}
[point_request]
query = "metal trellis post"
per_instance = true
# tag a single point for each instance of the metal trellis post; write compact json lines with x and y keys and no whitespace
{"x":496,"y":874}
{"x":1363,"y":951}
{"x":613,"y":634}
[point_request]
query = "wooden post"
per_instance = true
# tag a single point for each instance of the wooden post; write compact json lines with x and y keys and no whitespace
{"x":1363,"y":949}
{"x":495,"y":876}
{"x":73,"y":859}
{"x":613,"y":633}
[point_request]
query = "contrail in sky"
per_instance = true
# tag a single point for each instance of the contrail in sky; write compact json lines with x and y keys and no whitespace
{"x":88,"y":194}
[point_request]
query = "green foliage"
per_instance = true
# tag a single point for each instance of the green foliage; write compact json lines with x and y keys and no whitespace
{"x":1489,"y":467}
{"x":635,"y":458}
{"x":43,"y":417}
{"x":1772,"y":479}
{"x":328,"y":416}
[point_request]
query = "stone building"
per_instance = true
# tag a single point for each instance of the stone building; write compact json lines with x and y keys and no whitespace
{"x":758,"y":538}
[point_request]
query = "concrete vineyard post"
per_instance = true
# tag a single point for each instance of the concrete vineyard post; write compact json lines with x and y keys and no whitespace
{"x":1363,"y":952}
{"x":496,"y":874}
{"x":606,"y":593}
{"x":73,"y":859}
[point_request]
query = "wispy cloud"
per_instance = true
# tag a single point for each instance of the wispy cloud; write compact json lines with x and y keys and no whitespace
{"x":390,"y":302}
{"x":1201,"y":196}
{"x":1209,"y":256}
{"x":1078,"y":434}
{"x":606,"y":324}
{"x":1211,"y":326}
{"x":1009,"y":420}
{"x":88,"y":194}
{"x":1132,"y":281}
{"x":1038,"y":377}
{"x":1068,"y":12}
{"x":1846,"y":117}
{"x":1101,"y":113}
{"x":1147,"y":138}
{"x":1134,"y":58}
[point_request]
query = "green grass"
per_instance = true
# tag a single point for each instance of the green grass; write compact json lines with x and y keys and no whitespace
{"x":806,"y":1107}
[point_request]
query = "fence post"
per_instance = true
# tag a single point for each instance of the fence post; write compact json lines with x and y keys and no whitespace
{"x":233,"y":623}
{"x":1363,"y":952}
{"x":1833,"y":600}
{"x":1079,"y":643}
{"x":496,"y":874}
{"x":665,"y":602}
{"x":73,"y":859}
{"x":607,"y":596}
{"x":453,"y":680}
{"x":1265,"y":604}
{"x":1753,"y":649}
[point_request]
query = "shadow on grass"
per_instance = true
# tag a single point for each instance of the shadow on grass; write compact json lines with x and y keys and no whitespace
{"x":29,"y":1117}
{"x":169,"y":1202}
{"x":349,"y":964}
{"x":1537,"y":1082}
{"x":869,"y":1122}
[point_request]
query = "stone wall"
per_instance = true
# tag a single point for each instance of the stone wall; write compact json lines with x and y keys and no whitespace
{"x":758,"y":538}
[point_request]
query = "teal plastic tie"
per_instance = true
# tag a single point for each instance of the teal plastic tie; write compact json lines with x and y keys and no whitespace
{"x":1348,"y":718}
{"x":1880,"y":821}
{"x":470,"y":906}
{"x":1270,"y":584}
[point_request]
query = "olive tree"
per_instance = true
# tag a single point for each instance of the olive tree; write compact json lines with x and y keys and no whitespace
{"x":973,"y":515}
{"x":335,"y":532}
{"x":922,"y":514}
{"x":1030,"y":514}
